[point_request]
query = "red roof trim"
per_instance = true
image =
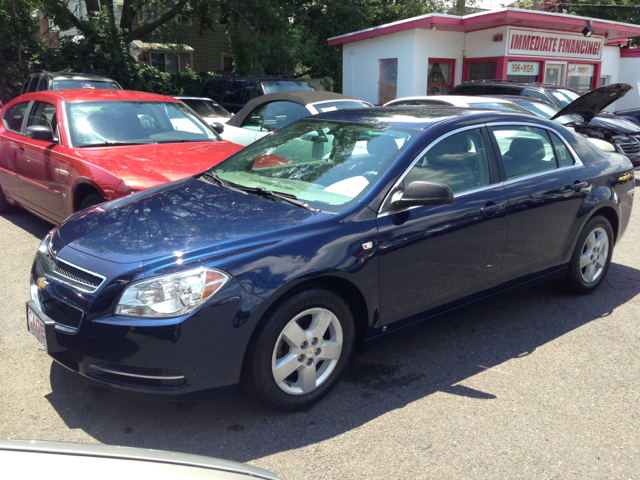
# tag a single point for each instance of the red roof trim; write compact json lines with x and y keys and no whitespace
{"x":630,"y":52}
{"x":492,"y":19}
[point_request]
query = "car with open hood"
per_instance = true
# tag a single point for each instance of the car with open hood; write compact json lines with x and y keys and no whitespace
{"x":65,"y":150}
{"x":274,"y":266}
{"x":266,"y":113}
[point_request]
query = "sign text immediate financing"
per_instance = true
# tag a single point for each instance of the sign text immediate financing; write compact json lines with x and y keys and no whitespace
{"x":539,"y":43}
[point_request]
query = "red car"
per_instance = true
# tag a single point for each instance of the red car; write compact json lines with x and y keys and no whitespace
{"x":65,"y":150}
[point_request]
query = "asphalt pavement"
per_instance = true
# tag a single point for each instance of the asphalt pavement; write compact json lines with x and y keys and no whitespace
{"x":538,"y":384}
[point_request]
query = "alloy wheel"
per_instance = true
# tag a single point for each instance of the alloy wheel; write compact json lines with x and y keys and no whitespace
{"x":595,"y":251}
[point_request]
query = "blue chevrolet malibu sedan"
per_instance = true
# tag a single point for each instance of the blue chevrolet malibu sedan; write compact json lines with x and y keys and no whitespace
{"x":273,"y":267}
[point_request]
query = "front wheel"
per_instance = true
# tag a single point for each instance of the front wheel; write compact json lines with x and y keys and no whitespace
{"x":5,"y":206}
{"x":592,"y":256}
{"x":91,"y":201}
{"x":301,"y":351}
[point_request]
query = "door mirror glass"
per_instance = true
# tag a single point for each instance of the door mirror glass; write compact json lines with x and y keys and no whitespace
{"x":40,"y":132}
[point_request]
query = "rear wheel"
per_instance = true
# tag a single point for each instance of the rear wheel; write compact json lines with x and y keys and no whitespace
{"x":592,"y":256}
{"x":301,"y":351}
{"x":91,"y":200}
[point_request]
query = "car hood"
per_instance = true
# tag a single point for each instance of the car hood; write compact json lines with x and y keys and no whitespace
{"x":145,"y":166}
{"x":175,"y":219}
{"x":593,"y":102}
{"x":613,"y":122}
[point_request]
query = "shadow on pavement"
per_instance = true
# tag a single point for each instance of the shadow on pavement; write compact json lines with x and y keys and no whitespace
{"x":28,"y":222}
{"x":435,"y":357}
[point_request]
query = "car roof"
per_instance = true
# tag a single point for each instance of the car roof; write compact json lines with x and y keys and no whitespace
{"x":515,"y":84}
{"x":424,"y":117}
{"x":301,"y":97}
{"x":456,"y":100}
{"x":91,"y":95}
{"x":202,"y":99}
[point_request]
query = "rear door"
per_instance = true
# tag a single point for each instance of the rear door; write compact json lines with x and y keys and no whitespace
{"x":546,"y":186}
{"x":12,"y":146}
{"x":40,"y":187}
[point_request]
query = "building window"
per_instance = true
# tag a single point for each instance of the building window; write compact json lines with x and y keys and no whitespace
{"x":184,"y":20}
{"x":387,"y":80}
{"x":605,"y":80}
{"x":523,"y":72}
{"x":440,"y":77}
{"x":482,"y":71}
{"x":165,"y":62}
{"x":580,"y":77}
{"x":77,"y":10}
{"x":226,"y":61}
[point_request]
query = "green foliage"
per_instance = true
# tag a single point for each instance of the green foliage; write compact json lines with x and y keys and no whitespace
{"x":17,"y":34}
{"x":187,"y":82}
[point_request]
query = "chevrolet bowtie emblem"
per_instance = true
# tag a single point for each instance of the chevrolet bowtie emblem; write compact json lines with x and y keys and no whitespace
{"x":42,"y":283}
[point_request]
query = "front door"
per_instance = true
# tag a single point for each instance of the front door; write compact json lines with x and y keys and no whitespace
{"x":546,"y":187}
{"x":433,"y":255}
{"x":37,"y":168}
{"x":554,"y":74}
{"x":12,"y":143}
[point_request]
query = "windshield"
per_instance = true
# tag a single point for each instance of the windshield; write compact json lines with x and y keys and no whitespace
{"x":547,"y":111}
{"x":563,"y":97}
{"x":509,"y":107}
{"x":87,"y":84}
{"x":134,"y":122}
{"x":329,"y":165}
{"x":207,"y":108}
{"x":339,"y":105}
{"x":285,"y":86}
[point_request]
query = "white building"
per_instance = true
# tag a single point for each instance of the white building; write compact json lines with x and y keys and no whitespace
{"x":431,"y":53}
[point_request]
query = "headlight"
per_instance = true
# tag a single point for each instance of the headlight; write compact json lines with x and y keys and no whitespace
{"x":171,"y":295}
{"x":602,"y":145}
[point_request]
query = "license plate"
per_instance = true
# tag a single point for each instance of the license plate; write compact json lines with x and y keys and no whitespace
{"x":36,"y":326}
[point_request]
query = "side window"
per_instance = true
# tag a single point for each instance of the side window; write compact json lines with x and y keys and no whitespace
{"x":25,"y":86}
{"x":215,"y":89}
{"x":42,"y":84}
{"x":256,"y":118}
{"x":44,"y":114}
{"x":562,"y":152}
{"x":14,"y":116}
{"x":529,"y":92}
{"x":280,"y":114}
{"x":467,"y":90}
{"x":502,"y":90}
{"x":234,"y":95}
{"x":525,"y":150}
{"x":252,"y":90}
{"x":459,"y":161}
{"x":34,"y":84}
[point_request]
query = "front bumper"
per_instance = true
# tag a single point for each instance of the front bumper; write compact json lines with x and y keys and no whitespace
{"x":176,"y":356}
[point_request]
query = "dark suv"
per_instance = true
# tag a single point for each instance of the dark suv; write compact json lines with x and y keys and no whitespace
{"x":42,"y":80}
{"x":233,"y":92}
{"x":558,"y":96}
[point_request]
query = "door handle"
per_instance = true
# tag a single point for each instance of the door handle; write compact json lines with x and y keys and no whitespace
{"x":577,"y":186}
{"x":21,"y":149}
{"x":492,"y":208}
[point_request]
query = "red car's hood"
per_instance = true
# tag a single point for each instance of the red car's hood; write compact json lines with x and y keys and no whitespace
{"x":145,"y":166}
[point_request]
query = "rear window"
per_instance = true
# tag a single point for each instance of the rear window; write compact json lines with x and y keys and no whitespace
{"x":86,"y":84}
{"x":285,"y":86}
{"x":206,"y":108}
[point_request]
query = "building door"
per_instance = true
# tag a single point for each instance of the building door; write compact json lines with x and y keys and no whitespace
{"x":554,"y":74}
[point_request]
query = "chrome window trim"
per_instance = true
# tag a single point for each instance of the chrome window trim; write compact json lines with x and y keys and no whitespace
{"x":576,"y":158}
{"x":136,"y":375}
{"x":418,"y":157}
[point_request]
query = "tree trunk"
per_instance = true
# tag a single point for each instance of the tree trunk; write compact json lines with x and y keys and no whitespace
{"x":17,"y":28}
{"x":536,"y":4}
{"x":460,"y":7}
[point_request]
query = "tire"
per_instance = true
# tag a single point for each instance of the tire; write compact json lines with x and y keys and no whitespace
{"x":91,"y":201}
{"x":299,"y":354}
{"x":592,"y":256}
{"x":5,"y":206}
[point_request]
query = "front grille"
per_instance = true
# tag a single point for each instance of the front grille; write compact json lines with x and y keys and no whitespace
{"x":73,"y":273}
{"x":60,"y":312}
{"x":630,"y":148}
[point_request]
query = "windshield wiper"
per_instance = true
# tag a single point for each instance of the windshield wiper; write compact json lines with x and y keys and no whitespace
{"x":223,"y":183}
{"x":183,"y":140}
{"x":287,"y":197}
{"x":112,"y":143}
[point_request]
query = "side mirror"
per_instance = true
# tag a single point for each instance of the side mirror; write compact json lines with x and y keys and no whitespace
{"x":218,"y":127}
{"x":40,"y":132}
{"x":425,"y":193}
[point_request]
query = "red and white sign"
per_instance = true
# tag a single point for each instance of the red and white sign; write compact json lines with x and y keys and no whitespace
{"x":576,"y":70}
{"x":539,"y":43}
{"x":36,"y":326}
{"x":523,"y":68}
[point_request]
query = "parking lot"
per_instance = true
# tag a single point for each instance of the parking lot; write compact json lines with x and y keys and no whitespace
{"x":538,"y":384}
